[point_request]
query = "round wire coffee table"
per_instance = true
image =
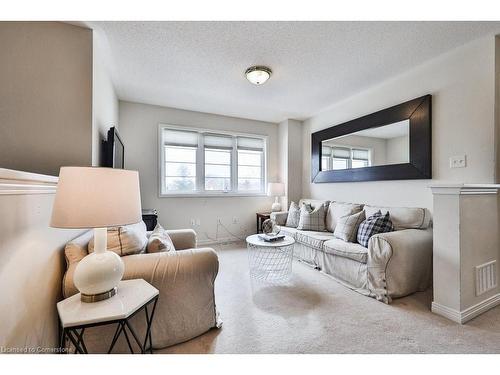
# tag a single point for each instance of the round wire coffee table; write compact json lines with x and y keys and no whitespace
{"x":270,"y":261}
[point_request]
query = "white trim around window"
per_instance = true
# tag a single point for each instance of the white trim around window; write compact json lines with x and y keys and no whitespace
{"x":184,"y":175}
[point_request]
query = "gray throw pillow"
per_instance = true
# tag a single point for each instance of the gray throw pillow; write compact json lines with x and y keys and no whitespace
{"x":312,"y":219}
{"x":160,"y":241}
{"x":292,"y":220}
{"x":347,"y":226}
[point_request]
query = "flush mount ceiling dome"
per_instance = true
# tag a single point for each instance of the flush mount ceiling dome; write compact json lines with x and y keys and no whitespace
{"x":258,"y":75}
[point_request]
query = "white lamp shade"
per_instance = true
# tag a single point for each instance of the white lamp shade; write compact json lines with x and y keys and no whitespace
{"x":276,"y":189}
{"x":91,"y":197}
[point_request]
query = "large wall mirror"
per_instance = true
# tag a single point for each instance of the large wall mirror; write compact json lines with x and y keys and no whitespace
{"x":392,"y":144}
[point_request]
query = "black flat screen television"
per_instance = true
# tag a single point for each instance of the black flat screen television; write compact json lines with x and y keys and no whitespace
{"x":113,"y":150}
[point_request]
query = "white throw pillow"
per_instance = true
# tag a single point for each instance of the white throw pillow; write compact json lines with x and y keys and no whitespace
{"x":312,"y":219}
{"x":292,"y":220}
{"x":126,"y":240}
{"x":347,"y":226}
{"x":160,"y":241}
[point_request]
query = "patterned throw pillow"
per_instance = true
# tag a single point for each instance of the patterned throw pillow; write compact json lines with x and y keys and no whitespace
{"x":125,"y":240}
{"x":347,"y":226}
{"x":377,"y":223}
{"x":292,"y":220}
{"x":160,"y":241}
{"x":312,"y":219}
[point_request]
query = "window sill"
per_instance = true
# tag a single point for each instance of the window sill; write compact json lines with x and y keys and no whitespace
{"x":211,"y":195}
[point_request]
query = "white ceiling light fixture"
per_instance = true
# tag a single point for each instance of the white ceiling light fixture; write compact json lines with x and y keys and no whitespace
{"x":258,"y":75}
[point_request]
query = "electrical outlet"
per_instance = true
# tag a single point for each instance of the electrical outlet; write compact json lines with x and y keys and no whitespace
{"x":458,"y":161}
{"x":235,"y":220}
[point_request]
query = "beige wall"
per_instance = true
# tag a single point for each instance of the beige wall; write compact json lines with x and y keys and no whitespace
{"x":31,"y":261}
{"x":139,"y":130}
{"x":104,"y":99}
{"x":463,"y":87}
{"x":45,"y":96}
{"x":290,"y":160}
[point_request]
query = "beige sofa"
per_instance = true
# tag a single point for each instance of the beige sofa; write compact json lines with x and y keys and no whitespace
{"x":185,"y":278}
{"x":394,"y":265}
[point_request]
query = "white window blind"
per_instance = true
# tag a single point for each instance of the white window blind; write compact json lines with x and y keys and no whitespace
{"x":254,"y":144}
{"x":199,"y":161}
{"x":218,"y":141}
{"x":180,"y":138}
{"x":341,"y":152}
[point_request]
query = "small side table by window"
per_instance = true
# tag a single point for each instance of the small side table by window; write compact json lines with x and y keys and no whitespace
{"x":261,"y":217}
{"x":132,"y":296}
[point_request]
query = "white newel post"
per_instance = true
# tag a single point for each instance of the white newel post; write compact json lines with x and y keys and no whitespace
{"x":466,"y":250}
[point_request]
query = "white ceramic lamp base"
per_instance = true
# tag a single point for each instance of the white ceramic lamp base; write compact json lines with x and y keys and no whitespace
{"x":276,"y":207}
{"x":98,"y":274}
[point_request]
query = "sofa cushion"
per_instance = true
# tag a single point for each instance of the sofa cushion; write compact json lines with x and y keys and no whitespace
{"x":348,"y":250}
{"x":347,"y":226}
{"x":313,"y":239}
{"x":293,"y":217}
{"x":312,"y":218}
{"x":403,"y":217}
{"x":338,"y":209}
{"x":287,"y":231}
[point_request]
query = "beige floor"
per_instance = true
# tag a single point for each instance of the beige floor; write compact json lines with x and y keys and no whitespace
{"x":315,"y":314}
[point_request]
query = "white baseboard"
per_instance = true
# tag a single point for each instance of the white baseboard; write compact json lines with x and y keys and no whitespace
{"x":467,"y":314}
{"x":220,"y":241}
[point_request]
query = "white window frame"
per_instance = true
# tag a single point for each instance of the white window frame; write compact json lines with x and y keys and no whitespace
{"x":351,"y":151}
{"x":200,"y":165}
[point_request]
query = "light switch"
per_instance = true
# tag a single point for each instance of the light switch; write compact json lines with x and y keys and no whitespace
{"x":458,"y":161}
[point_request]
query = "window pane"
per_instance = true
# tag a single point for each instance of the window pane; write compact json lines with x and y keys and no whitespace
{"x":249,"y":184}
{"x":340,"y":163}
{"x":180,"y":154}
{"x":359,"y":163}
{"x":216,"y":183}
{"x":180,"y":169}
{"x":180,"y":183}
{"x":253,"y":172}
{"x":250,"y":158}
{"x":217,"y":170}
{"x":217,"y":156}
{"x":325,"y":163}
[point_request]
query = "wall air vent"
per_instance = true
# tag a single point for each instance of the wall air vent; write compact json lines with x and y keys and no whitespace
{"x":486,"y":277}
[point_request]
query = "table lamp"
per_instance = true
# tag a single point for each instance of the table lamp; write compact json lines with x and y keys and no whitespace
{"x":92,"y":197}
{"x":276,"y":189}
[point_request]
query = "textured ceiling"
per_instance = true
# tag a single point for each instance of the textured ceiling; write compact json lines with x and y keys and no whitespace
{"x":200,"y":65}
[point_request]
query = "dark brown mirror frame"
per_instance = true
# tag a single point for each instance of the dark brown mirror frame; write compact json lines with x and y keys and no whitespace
{"x":418,"y":111}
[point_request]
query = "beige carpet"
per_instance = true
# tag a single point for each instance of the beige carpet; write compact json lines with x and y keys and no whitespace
{"x":315,"y":314}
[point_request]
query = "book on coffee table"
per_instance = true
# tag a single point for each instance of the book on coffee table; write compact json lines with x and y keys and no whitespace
{"x":271,"y":238}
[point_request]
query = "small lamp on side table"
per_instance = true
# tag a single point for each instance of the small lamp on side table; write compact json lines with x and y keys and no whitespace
{"x":276,"y":189}
{"x":91,"y":197}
